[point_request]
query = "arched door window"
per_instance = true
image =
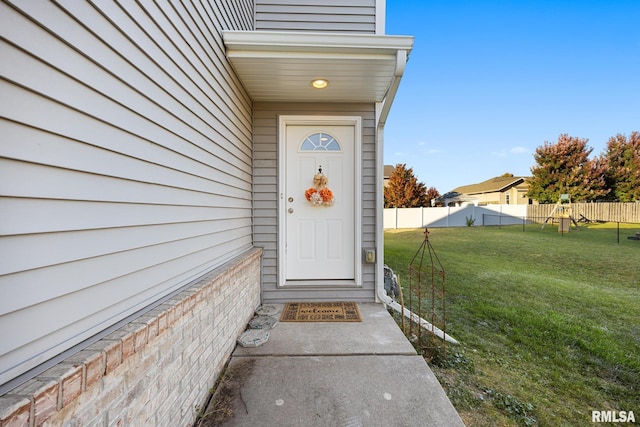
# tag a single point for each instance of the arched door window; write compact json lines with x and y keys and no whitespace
{"x":320,"y":142}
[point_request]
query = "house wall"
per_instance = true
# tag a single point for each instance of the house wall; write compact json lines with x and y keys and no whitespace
{"x":155,"y":371}
{"x":266,"y":192}
{"x":125,"y":163}
{"x":489,"y":198}
{"x":517,"y":196}
{"x":316,"y":15}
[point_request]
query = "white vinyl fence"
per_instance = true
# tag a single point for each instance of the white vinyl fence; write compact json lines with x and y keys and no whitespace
{"x":454,"y":216}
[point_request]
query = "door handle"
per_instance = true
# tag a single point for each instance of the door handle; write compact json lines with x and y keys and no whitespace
{"x":290,"y":199}
{"x":290,"y":210}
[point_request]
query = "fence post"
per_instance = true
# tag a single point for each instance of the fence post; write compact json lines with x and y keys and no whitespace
{"x":618,"y":232}
{"x":395,"y":212}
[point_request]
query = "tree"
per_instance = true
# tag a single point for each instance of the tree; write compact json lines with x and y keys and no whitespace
{"x":404,"y":190}
{"x":432,"y":196}
{"x":622,"y":160}
{"x":564,"y":167}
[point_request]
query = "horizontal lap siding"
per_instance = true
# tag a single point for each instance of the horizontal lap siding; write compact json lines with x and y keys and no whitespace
{"x":125,"y":163}
{"x":266,"y":189}
{"x":316,"y":15}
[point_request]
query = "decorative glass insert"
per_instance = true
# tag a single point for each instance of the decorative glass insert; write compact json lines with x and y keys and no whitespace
{"x":320,"y":142}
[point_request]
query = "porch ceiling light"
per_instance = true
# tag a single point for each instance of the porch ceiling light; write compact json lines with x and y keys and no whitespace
{"x":320,"y":83}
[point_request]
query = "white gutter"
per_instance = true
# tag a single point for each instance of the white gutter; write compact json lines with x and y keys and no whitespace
{"x":287,"y":41}
{"x":382,"y":112}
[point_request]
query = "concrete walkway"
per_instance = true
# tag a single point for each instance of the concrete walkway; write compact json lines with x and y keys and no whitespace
{"x":336,"y":374}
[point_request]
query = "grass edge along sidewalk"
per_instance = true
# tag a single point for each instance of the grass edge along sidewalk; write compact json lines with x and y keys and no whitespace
{"x":549,"y":325}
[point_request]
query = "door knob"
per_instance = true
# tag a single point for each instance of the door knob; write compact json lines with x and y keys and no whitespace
{"x":290,"y":210}
{"x":290,"y":199}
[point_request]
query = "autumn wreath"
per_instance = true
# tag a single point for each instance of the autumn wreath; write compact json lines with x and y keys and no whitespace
{"x":319,"y":194}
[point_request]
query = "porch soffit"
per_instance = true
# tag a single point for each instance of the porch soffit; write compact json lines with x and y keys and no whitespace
{"x":279,"y":66}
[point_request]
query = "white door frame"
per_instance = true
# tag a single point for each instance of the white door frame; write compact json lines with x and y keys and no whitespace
{"x":356,"y":122}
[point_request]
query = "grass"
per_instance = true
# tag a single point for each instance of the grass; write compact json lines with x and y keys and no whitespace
{"x":549,"y":324}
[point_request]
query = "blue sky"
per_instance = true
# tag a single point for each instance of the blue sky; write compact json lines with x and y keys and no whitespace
{"x":489,"y":81}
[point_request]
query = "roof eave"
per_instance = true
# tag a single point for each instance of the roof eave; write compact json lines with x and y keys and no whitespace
{"x":279,"y":66}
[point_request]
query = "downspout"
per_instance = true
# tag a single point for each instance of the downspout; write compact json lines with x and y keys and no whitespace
{"x":382,"y":112}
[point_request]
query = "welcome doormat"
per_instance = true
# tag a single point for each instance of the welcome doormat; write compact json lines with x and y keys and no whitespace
{"x":321,"y":312}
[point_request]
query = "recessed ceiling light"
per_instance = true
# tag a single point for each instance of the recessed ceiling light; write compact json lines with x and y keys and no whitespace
{"x":320,"y":83}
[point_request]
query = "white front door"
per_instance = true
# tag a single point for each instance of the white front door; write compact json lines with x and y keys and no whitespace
{"x":320,"y":239}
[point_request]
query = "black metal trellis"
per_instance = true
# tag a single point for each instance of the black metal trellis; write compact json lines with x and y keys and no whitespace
{"x":427,"y":293}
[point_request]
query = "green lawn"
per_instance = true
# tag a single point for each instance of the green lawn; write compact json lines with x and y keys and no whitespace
{"x":549,"y":324}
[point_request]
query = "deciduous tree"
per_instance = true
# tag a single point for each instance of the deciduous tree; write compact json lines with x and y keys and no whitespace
{"x":432,"y":196}
{"x":622,"y":160}
{"x":404,"y":190}
{"x":564,"y":167}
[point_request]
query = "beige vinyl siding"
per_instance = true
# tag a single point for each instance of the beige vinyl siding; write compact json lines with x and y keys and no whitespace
{"x":316,"y":15}
{"x":266,"y":189}
{"x":125,"y":163}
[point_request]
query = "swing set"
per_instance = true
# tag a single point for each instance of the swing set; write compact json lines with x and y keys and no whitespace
{"x":562,"y":212}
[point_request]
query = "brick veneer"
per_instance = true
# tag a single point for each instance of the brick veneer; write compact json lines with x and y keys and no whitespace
{"x":156,"y":370}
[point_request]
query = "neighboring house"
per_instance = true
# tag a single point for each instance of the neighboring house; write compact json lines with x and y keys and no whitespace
{"x":388,"y":171}
{"x":504,"y":190}
{"x":154,"y":158}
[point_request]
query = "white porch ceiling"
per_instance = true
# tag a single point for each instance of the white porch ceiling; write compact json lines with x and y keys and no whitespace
{"x":279,"y":66}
